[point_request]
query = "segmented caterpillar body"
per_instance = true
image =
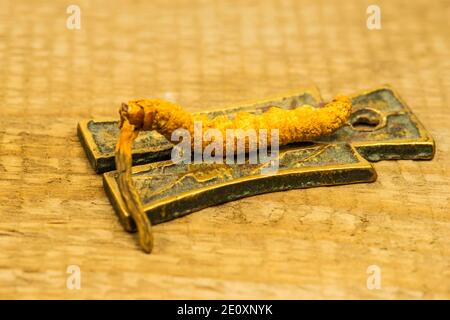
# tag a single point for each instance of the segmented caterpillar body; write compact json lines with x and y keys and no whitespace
{"x":299,"y":124}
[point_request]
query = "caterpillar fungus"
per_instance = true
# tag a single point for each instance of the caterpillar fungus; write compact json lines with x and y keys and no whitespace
{"x":300,"y":124}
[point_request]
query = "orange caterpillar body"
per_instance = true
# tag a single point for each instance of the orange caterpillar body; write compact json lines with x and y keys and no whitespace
{"x":300,"y":124}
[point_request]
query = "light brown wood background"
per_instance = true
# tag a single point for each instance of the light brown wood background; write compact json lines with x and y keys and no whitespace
{"x":314,"y":243}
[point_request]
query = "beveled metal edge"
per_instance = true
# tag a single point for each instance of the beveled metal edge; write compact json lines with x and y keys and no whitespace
{"x":88,"y":143}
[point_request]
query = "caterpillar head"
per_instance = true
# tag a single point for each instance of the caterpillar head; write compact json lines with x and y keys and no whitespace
{"x":140,"y":113}
{"x":133,"y":113}
{"x":146,"y":114}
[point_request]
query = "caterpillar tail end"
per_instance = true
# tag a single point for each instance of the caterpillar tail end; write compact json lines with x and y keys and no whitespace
{"x":146,"y":237}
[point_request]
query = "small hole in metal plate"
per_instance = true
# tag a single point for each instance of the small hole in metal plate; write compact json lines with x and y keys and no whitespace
{"x":365,"y":120}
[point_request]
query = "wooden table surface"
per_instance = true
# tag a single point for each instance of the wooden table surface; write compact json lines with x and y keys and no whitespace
{"x":314,"y":243}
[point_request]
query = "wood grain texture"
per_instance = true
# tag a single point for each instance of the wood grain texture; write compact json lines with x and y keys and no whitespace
{"x":314,"y":243}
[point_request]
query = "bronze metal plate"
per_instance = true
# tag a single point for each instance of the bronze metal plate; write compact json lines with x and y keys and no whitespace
{"x":169,"y":191}
{"x":382,"y":127}
{"x":99,"y":138}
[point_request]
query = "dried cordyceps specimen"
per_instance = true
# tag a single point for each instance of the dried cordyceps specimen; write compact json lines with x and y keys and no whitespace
{"x":299,"y":124}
